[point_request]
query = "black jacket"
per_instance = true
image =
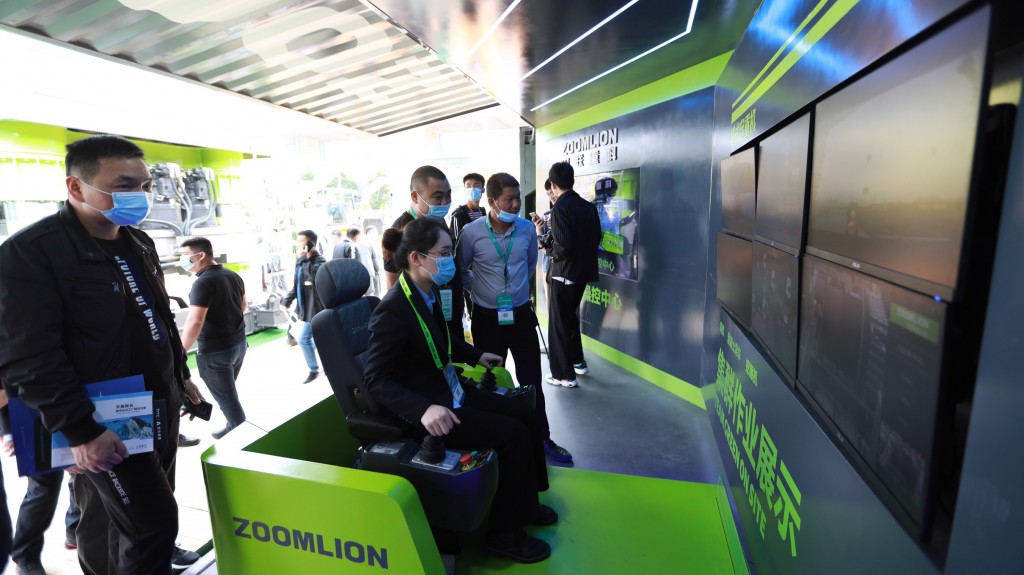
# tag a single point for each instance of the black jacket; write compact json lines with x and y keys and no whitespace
{"x":400,"y":374}
{"x":462,"y":218}
{"x":62,"y":325}
{"x":310,"y":304}
{"x":575,"y":235}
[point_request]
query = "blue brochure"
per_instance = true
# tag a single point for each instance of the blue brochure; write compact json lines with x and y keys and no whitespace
{"x":123,"y":405}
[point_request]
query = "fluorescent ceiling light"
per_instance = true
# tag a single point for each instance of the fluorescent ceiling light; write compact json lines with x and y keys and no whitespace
{"x":580,"y":39}
{"x":689,"y":27}
{"x":58,"y":85}
{"x":494,"y":26}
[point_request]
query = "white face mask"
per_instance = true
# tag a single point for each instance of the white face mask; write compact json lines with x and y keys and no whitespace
{"x":186,"y":263}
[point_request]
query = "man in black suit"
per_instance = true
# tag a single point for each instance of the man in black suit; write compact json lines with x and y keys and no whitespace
{"x":572,"y":245}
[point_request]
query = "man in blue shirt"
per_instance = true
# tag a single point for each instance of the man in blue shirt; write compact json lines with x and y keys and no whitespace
{"x":497,"y":256}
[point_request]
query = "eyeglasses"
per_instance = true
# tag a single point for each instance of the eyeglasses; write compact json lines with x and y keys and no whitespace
{"x":447,"y":254}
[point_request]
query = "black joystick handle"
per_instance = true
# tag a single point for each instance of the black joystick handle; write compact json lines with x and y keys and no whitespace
{"x":488,"y":380}
{"x":432,"y":449}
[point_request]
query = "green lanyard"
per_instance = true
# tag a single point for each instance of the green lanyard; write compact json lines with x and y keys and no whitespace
{"x":508,"y":251}
{"x":413,"y":213}
{"x":423,"y":326}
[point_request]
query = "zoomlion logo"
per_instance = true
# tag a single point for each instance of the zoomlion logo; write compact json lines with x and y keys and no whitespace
{"x":360,"y":327}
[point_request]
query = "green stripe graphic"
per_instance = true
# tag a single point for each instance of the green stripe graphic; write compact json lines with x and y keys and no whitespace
{"x":816,"y":33}
{"x":781,"y":49}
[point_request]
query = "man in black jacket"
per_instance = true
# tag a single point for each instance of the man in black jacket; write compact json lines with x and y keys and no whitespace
{"x":304,"y":291}
{"x":82,"y":300}
{"x":572,"y":245}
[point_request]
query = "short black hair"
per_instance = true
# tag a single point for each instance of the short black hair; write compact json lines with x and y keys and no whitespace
{"x":352,"y":233}
{"x":547,"y":184}
{"x":83,"y":157}
{"x":422,"y":174}
{"x":310,"y":235}
{"x":562,"y":175}
{"x":473,"y":176}
{"x":419,"y":236}
{"x":498,"y":182}
{"x":199,"y":244}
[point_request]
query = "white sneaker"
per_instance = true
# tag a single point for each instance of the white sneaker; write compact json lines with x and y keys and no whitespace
{"x":562,"y":382}
{"x":581,"y":368}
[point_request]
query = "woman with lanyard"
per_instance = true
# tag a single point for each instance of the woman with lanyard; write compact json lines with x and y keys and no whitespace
{"x":409,"y":373}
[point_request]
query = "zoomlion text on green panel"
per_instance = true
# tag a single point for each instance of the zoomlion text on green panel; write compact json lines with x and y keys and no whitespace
{"x":311,"y":542}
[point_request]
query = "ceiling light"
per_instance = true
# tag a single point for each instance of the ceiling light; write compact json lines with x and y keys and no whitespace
{"x":578,"y":40}
{"x":689,"y":27}
{"x":494,"y":26}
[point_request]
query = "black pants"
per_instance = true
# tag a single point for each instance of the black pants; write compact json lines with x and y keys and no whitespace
{"x":508,"y":426}
{"x":129,"y":515}
{"x":5,"y":525}
{"x":36,"y":514}
{"x":521,"y":339}
{"x":565,"y":345}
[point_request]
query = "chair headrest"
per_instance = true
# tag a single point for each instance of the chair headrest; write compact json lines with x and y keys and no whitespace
{"x":341,"y":281}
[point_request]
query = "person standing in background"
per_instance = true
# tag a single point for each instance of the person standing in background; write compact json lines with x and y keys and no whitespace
{"x":304,"y":292}
{"x":471,"y":211}
{"x":466,"y":214}
{"x":498,"y":259}
{"x":572,"y":245}
{"x":217,"y":305}
{"x":345,"y":246}
{"x":430,"y":196}
{"x":372,"y":241}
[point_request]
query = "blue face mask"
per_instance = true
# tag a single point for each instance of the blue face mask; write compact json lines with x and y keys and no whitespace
{"x":475,"y":194}
{"x":130,"y":208}
{"x":507,"y":217}
{"x":445,"y":269}
{"x":438,"y":212}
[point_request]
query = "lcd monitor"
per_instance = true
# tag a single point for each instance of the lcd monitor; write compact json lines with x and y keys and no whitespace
{"x":738,"y":192}
{"x":892,"y":161}
{"x":735,"y":256}
{"x":782,"y":186}
{"x":776,"y":293}
{"x":870,"y":358}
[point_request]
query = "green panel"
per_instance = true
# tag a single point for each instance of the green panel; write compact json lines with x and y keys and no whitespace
{"x":621,"y":524}
{"x":692,"y":79}
{"x":28,"y":140}
{"x":278,"y":515}
{"x":324,"y":421}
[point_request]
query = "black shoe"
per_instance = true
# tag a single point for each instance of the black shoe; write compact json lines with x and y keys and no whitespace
{"x":557,"y":452}
{"x":31,"y":568}
{"x":70,"y":545}
{"x":186,"y":441}
{"x":312,"y":375}
{"x":544,"y":516}
{"x":291,"y":341}
{"x":518,"y":546}
{"x":221,"y":432}
{"x":182,"y":558}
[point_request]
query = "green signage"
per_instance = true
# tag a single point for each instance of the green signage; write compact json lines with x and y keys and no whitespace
{"x":766,"y":480}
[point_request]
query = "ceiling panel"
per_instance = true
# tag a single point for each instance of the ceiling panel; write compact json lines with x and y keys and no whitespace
{"x":546,"y":59}
{"x":389,"y":65}
{"x":339,"y":60}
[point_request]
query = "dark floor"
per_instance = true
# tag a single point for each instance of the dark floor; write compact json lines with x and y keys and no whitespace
{"x":619,"y":423}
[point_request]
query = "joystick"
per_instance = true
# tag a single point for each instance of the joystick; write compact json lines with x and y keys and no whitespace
{"x":432,"y":449}
{"x":488,"y":380}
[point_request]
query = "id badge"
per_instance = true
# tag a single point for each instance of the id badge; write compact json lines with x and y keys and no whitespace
{"x":505,"y":314}
{"x":446,"y":304}
{"x":454,"y":384}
